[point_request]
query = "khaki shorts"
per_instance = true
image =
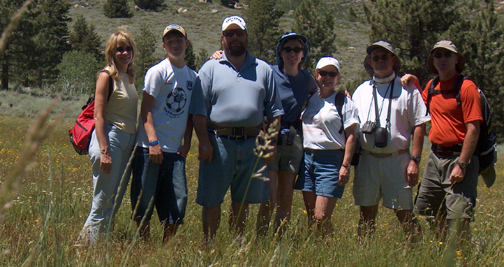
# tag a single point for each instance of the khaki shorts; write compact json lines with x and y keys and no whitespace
{"x":437,"y":195}
{"x":384,"y":178}
{"x":288,"y":157}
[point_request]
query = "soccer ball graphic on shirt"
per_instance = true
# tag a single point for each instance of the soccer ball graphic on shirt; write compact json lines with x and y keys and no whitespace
{"x":176,"y":100}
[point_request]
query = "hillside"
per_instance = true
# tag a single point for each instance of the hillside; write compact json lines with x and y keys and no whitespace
{"x":203,"y":27}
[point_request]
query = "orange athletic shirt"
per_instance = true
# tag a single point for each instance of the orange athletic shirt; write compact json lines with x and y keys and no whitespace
{"x":447,"y":119}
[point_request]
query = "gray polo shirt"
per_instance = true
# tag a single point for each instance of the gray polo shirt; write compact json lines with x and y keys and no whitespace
{"x":232,"y":98}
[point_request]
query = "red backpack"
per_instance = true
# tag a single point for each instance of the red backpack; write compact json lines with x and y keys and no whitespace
{"x":80,"y":134}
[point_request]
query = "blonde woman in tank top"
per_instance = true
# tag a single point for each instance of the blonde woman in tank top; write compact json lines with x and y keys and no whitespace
{"x":114,"y":135}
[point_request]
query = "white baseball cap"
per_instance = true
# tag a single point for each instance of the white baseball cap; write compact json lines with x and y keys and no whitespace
{"x":328,"y":61}
{"x":234,"y":20}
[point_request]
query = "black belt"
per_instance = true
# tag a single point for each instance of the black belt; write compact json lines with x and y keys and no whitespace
{"x":447,"y":151}
{"x":237,"y":133}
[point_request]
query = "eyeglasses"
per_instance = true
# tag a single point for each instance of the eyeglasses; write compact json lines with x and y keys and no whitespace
{"x":231,"y":33}
{"x":447,"y":54}
{"x":121,"y":49}
{"x":383,"y":57}
{"x":325,"y":73}
{"x":290,"y":49}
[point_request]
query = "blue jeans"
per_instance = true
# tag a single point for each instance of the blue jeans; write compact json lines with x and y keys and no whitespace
{"x":322,"y":172}
{"x":165,"y":183}
{"x":106,"y":197}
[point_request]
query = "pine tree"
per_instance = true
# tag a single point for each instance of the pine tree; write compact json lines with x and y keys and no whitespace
{"x":262,"y":25}
{"x":201,"y":58}
{"x":314,"y":19}
{"x":144,"y":58}
{"x":190,"y":58}
{"x":481,"y":40}
{"x":412,"y":27}
{"x":117,"y":9}
{"x":153,"y":5}
{"x":84,"y":38}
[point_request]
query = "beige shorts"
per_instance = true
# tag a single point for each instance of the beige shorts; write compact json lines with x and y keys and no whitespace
{"x":288,"y":157}
{"x":384,"y":178}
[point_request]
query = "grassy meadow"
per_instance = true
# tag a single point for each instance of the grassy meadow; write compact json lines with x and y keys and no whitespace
{"x":47,"y":214}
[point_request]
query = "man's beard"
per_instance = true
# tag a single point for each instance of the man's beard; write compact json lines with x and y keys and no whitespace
{"x":236,"y":50}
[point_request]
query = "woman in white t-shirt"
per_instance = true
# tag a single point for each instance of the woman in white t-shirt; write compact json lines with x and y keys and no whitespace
{"x":329,"y":143}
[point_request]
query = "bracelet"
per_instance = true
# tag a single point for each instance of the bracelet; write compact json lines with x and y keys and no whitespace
{"x":154,"y":143}
{"x":346,"y":166}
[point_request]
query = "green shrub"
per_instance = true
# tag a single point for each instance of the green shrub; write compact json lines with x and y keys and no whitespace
{"x":149,"y":4}
{"x":78,"y":72}
{"x":117,"y":9}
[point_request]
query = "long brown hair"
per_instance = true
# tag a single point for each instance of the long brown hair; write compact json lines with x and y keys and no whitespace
{"x":122,"y":37}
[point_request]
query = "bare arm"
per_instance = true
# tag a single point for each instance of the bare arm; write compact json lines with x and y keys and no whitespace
{"x":274,"y":149}
{"x":155,"y":151}
{"x":468,"y":148}
{"x":351,"y":140}
{"x":101,"y":96}
{"x":184,"y":149}
{"x":409,"y":79}
{"x":205,"y":146}
{"x":416,"y":150}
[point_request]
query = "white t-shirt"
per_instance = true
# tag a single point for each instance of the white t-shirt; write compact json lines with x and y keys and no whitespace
{"x":172,"y":89}
{"x":322,"y":123}
{"x":407,"y":110}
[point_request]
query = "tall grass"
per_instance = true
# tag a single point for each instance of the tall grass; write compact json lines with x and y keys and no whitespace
{"x":45,"y":218}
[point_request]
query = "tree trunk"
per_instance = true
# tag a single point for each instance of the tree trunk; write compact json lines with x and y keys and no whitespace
{"x":5,"y":69}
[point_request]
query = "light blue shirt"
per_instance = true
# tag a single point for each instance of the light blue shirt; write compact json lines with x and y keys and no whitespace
{"x":236,"y":98}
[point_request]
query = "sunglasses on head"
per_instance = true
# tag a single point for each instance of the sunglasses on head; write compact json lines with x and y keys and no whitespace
{"x":383,"y":57}
{"x":330,"y":73}
{"x":447,"y":54}
{"x":290,"y":49}
{"x":231,"y":33}
{"x":121,"y":49}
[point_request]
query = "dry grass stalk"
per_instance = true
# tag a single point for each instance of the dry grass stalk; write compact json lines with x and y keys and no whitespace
{"x":13,"y":24}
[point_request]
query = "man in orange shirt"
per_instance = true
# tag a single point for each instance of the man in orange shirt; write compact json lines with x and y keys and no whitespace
{"x":448,"y":186}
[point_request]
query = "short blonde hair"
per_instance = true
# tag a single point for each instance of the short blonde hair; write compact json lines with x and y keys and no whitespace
{"x":119,"y":37}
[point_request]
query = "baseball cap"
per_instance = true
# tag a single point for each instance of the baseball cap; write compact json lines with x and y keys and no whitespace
{"x":450,"y":46}
{"x":328,"y":61}
{"x":387,"y":46}
{"x":174,"y":27}
{"x":292,"y":35}
{"x":234,"y":20}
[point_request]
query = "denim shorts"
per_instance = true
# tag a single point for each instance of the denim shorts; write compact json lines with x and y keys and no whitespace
{"x":165,"y":183}
{"x":322,"y":172}
{"x":232,"y":166}
{"x":288,"y":157}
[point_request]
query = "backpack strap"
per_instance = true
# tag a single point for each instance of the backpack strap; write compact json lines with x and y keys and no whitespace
{"x":339,"y":101}
{"x":455,"y":90}
{"x":456,"y":87}
{"x":110,"y":84}
{"x":431,"y":92}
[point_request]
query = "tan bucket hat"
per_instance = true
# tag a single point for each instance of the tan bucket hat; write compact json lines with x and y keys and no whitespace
{"x":388,"y":47}
{"x":450,"y":46}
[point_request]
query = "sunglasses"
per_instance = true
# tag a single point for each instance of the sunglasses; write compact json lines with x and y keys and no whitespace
{"x":383,"y":57}
{"x":231,"y":33}
{"x":325,"y":73}
{"x":121,"y":49}
{"x":447,"y":54}
{"x":290,"y":49}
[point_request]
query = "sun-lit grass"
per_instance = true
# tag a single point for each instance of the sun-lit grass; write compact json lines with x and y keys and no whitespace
{"x":55,"y":198}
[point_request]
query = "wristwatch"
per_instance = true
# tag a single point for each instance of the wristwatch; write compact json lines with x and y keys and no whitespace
{"x":416,"y":159}
{"x":462,"y":164}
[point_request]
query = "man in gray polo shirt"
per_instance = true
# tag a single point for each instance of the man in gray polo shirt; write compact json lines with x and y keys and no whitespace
{"x":230,"y":99}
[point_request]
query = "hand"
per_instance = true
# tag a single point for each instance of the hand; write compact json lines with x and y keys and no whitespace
{"x":156,"y":154}
{"x":217,"y":55}
{"x":105,"y":163}
{"x":205,"y":152}
{"x":457,"y":174}
{"x":183,"y":151}
{"x":347,"y":94}
{"x":344,"y":175}
{"x":412,"y":172}
{"x":409,"y":79}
